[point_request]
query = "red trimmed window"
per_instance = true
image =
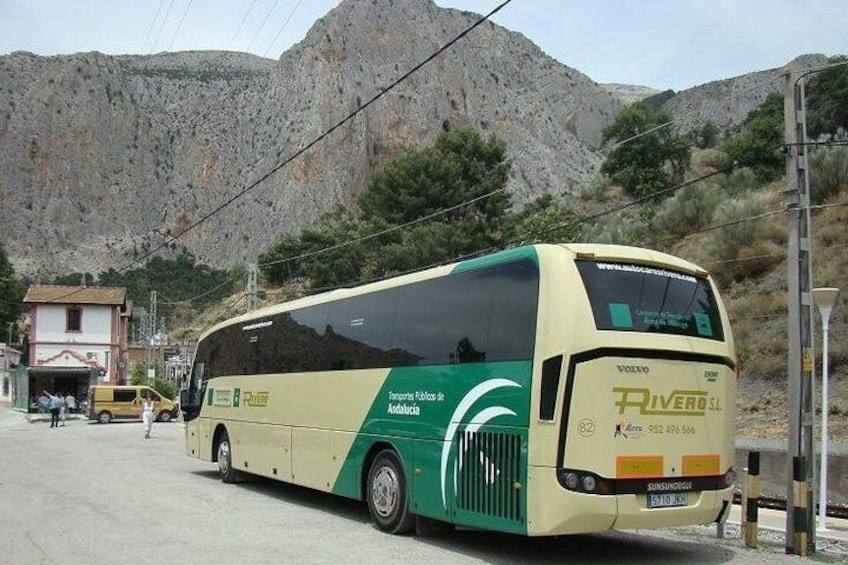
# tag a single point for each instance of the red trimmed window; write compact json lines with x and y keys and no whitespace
{"x":73,"y":319}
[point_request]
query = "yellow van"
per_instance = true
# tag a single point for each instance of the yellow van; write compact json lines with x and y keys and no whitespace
{"x":107,"y":403}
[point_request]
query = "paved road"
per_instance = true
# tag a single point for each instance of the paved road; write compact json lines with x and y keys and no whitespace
{"x":88,"y":493}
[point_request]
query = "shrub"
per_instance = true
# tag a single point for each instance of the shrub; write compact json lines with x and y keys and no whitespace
{"x":166,"y":388}
{"x":623,"y":228}
{"x":690,"y":209}
{"x":743,"y":246}
{"x":828,"y":173}
{"x":740,"y":182}
{"x":596,"y":189}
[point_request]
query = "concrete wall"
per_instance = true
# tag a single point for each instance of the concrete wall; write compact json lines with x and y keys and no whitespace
{"x":775,"y":468}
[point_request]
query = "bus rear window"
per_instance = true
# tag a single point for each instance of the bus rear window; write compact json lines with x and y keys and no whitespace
{"x":628,"y":297}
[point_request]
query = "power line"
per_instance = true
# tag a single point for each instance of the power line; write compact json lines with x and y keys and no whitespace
{"x":179,"y":25}
{"x":152,"y":25}
{"x":162,"y":26}
{"x":680,"y":117}
{"x":243,"y":19}
{"x":204,"y":294}
{"x":714,"y":227}
{"x":385,"y":231}
{"x":262,"y":25}
{"x":284,"y":26}
{"x":532,"y":234}
{"x":382,"y":92}
{"x":619,"y":208}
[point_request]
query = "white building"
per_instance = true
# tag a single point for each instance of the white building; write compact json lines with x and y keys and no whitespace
{"x":76,"y":336}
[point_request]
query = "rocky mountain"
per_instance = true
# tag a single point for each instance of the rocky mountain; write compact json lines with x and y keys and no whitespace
{"x":104,"y":157}
{"x":628,"y":93}
{"x":726,"y":103}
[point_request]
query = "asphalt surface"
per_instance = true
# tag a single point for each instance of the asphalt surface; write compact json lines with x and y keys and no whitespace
{"x":88,"y":493}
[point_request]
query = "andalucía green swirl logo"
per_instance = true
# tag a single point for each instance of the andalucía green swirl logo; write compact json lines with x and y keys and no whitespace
{"x":476,"y":422}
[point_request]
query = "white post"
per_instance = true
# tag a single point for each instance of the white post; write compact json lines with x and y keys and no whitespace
{"x":825,"y":298}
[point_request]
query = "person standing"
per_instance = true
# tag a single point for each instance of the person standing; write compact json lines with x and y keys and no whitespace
{"x":54,"y":403}
{"x":62,"y":410}
{"x":147,"y":415}
{"x":70,"y":403}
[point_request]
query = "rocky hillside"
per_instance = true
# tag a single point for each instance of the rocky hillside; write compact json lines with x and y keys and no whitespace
{"x":104,"y":157}
{"x":726,"y":103}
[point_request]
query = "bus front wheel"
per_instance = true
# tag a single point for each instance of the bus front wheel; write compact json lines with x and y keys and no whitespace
{"x":225,"y":460}
{"x":388,"y":499}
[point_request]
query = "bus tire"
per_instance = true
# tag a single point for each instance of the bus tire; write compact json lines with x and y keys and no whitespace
{"x":225,"y":460}
{"x":388,"y":498}
{"x":104,"y":417}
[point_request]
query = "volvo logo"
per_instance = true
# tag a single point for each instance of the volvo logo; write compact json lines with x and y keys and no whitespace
{"x":634,"y":369}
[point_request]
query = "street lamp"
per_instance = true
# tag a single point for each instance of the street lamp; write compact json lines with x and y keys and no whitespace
{"x":825,"y":298}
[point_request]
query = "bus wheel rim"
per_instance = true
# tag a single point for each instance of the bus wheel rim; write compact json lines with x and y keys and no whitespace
{"x":384,"y":492}
{"x":224,"y":457}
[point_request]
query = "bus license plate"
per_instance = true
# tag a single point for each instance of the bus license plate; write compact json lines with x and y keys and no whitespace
{"x":668,"y":500}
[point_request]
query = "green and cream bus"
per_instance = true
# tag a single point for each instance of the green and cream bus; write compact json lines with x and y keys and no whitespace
{"x":543,"y":390}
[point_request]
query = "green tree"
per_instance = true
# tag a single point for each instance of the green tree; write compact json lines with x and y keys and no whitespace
{"x":827,"y":99}
{"x":166,"y":388}
{"x":12,"y":291}
{"x":313,"y":255}
{"x":137,"y":376}
{"x":461,"y":167}
{"x":177,"y":279}
{"x":545,"y":219}
{"x":656,"y":159}
{"x":758,"y":145}
{"x":706,"y":136}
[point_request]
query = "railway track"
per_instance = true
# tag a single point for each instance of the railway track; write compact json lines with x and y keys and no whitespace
{"x":776,"y":503}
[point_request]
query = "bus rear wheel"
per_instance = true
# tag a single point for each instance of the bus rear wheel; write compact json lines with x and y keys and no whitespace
{"x":388,"y":499}
{"x":225,"y":460}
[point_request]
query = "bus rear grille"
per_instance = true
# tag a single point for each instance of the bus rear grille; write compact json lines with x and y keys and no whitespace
{"x":488,"y":474}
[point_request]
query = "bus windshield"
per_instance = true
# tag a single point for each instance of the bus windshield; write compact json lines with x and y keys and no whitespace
{"x":631,"y":297}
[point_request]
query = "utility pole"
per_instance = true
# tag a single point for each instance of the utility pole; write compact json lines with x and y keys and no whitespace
{"x":799,"y":305}
{"x":150,"y":354}
{"x":252,"y":285}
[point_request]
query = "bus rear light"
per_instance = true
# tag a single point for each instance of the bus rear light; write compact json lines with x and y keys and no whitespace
{"x":582,"y":481}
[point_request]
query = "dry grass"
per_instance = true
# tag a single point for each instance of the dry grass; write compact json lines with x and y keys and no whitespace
{"x":763,"y":410}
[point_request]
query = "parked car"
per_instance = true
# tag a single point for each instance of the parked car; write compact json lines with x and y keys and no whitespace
{"x":107,"y":403}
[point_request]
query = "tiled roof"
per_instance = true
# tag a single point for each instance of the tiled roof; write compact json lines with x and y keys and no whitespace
{"x":44,"y":294}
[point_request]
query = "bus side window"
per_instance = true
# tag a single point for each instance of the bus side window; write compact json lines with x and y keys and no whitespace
{"x":551,"y":370}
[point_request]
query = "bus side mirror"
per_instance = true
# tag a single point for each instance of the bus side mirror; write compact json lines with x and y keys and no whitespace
{"x":187,"y":401}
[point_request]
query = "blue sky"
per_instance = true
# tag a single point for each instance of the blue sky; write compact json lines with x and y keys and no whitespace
{"x":659,"y":43}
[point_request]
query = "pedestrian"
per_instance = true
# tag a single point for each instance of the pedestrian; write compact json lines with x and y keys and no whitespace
{"x":54,"y":403}
{"x":62,"y":410}
{"x":71,"y":403}
{"x":147,"y":415}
